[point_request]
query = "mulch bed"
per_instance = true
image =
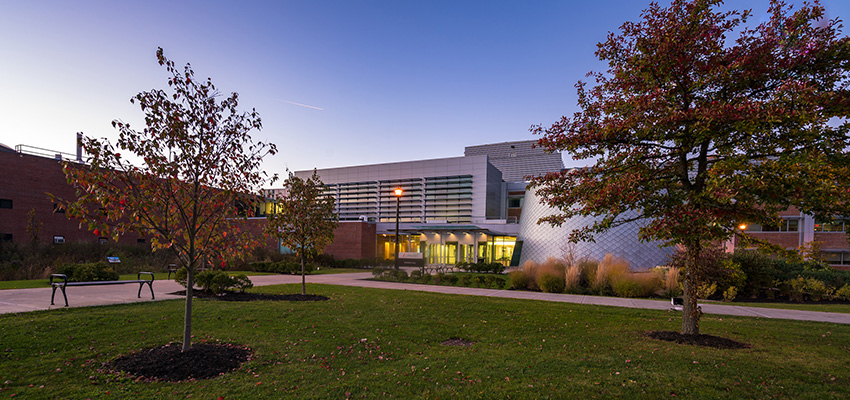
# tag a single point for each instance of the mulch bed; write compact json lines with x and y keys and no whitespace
{"x":698,"y":340}
{"x":168,"y":363}
{"x":203,"y":360}
{"x":239,"y":296}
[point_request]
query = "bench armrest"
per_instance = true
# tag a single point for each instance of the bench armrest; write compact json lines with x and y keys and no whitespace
{"x":139,"y":275}
{"x":63,"y":276}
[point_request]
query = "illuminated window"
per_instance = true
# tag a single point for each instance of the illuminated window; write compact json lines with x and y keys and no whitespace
{"x":5,"y":203}
{"x":837,"y":225}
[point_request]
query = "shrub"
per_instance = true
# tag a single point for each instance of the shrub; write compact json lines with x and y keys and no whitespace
{"x":377,"y":272}
{"x":641,"y":284}
{"x":451,"y":279}
{"x":425,"y":278}
{"x":794,"y":288}
{"x":242,"y":282}
{"x":843,"y":293}
{"x":498,"y":282}
{"x":415,"y":275}
{"x":816,"y":290}
{"x":706,"y":290}
{"x":217,"y":281}
{"x":551,"y":283}
{"x":400,"y":275}
{"x":518,"y":280}
{"x":478,"y":279}
{"x":730,"y":293}
{"x":99,"y":271}
{"x":466,"y":280}
{"x":439,"y":278}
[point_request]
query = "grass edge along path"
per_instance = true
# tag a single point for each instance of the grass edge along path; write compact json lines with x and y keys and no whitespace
{"x":372,"y":343}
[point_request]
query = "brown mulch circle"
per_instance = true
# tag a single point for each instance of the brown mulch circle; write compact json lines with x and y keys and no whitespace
{"x":240,"y":296}
{"x":168,"y":363}
{"x":698,"y":340}
{"x":457,"y":342}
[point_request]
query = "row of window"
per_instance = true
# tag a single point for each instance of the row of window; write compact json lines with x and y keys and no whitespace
{"x":793,"y":225}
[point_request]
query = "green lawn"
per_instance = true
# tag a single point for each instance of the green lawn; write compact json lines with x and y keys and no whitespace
{"x":369,"y":343}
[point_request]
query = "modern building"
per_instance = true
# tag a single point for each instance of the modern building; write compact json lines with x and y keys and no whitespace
{"x":451,"y":210}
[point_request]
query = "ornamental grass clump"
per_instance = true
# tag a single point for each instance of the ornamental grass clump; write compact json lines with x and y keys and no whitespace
{"x":636,"y":284}
{"x":572,"y":278}
{"x":671,"y":286}
{"x":610,"y":269}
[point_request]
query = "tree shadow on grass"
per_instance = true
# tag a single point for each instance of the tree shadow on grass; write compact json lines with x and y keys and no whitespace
{"x":698,"y":340}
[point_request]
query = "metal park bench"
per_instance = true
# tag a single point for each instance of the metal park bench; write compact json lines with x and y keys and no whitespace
{"x":64,"y":283}
{"x":677,"y":303}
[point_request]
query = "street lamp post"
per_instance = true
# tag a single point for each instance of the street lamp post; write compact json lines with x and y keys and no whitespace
{"x":398,"y":193}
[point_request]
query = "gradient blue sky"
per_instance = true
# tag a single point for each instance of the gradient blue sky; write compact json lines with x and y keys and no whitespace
{"x":337,"y":83}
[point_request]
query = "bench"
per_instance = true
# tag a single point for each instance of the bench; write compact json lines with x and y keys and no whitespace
{"x":64,"y":283}
{"x":172,"y":269}
{"x":677,"y":303}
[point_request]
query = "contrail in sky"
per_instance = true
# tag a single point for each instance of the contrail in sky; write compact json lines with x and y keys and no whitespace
{"x":302,"y":105}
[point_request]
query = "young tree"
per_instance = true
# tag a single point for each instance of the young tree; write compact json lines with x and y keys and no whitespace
{"x":304,"y":219}
{"x":693,"y":133}
{"x":196,"y":182}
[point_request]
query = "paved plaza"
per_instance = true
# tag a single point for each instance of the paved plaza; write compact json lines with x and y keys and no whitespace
{"x":24,"y":300}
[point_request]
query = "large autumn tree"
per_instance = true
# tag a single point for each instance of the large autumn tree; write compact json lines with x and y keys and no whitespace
{"x":192,"y":181}
{"x":700,"y":123}
{"x":303,"y":218}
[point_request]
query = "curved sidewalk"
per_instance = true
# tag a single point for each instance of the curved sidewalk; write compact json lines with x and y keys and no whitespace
{"x":23,"y":300}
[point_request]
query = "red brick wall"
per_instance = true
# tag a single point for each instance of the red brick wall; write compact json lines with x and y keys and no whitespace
{"x":788,"y":240}
{"x":26,"y":180}
{"x":832,"y":240}
{"x":354,"y":239}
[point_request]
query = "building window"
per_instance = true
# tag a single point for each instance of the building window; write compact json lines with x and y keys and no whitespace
{"x":5,"y":238}
{"x":140,"y":241}
{"x":102,"y":240}
{"x":787,"y":225}
{"x":836,"y":225}
{"x":831,"y":258}
{"x":515,"y":202}
{"x":58,"y":239}
{"x":5,"y":203}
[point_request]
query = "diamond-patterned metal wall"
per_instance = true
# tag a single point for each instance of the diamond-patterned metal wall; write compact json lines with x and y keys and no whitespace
{"x":541,"y":241}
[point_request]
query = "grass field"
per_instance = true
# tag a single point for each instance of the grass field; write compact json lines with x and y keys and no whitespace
{"x":368,"y":343}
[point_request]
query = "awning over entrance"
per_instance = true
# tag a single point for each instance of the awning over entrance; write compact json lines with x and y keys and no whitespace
{"x":422,"y":229}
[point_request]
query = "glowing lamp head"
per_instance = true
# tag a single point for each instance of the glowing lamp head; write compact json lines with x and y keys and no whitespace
{"x":398,"y":192}
{"x":742,"y":227}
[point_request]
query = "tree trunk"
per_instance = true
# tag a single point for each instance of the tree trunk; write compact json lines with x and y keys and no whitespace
{"x":690,"y":310}
{"x":303,"y":279}
{"x":187,"y":321}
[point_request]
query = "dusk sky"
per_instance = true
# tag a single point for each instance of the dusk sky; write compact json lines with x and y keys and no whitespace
{"x":337,"y":83}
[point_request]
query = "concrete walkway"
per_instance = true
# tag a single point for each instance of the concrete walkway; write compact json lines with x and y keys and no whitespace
{"x":23,"y":300}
